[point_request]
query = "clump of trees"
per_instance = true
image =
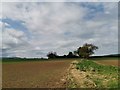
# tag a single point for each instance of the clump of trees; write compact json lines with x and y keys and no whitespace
{"x":52,"y":55}
{"x":84,"y":51}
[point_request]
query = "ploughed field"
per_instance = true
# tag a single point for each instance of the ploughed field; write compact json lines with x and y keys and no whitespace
{"x":113,"y":62}
{"x":34,"y":74}
{"x":40,"y":74}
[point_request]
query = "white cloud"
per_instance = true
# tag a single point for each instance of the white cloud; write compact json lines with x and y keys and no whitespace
{"x":61,"y":27}
{"x":60,"y":0}
{"x":13,"y":38}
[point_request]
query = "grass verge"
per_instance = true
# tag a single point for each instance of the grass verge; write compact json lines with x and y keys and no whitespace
{"x":103,"y":76}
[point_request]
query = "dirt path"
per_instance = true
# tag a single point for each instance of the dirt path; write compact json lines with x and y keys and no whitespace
{"x":42,"y":74}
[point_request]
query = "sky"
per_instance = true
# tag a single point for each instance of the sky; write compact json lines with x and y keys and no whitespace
{"x":32,"y":29}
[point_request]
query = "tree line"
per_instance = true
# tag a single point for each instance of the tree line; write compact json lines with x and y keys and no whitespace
{"x":84,"y":51}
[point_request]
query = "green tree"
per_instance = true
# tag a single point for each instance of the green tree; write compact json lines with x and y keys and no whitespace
{"x":70,"y":55}
{"x":86,"y":50}
{"x":52,"y":55}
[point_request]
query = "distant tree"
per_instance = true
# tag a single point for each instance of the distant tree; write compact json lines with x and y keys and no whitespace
{"x":52,"y":55}
{"x":70,"y":54}
{"x":86,"y":50}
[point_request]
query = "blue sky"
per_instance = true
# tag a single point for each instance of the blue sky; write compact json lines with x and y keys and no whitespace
{"x":33,"y":29}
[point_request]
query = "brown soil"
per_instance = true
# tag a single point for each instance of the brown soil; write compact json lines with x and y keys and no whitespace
{"x":38,"y":74}
{"x":79,"y":77}
{"x":42,"y":74}
{"x":109,"y":62}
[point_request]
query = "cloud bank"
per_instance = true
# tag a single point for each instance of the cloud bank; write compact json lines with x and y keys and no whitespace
{"x":34,"y":29}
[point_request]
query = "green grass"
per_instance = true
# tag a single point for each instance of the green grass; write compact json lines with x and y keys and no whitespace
{"x":87,"y":65}
{"x":103,"y":75}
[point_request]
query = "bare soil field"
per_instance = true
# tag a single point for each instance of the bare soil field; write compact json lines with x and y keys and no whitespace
{"x":109,"y":62}
{"x":35,"y":74}
{"x":39,"y":74}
